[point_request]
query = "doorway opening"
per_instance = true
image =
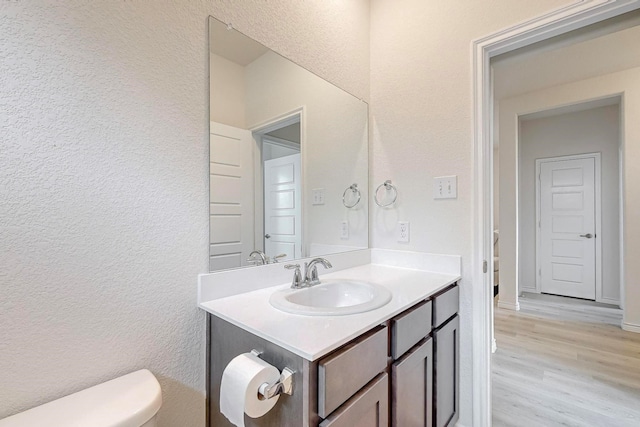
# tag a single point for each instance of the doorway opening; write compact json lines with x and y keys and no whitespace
{"x":576,"y":16}
{"x":559,"y":162}
{"x":563,"y":215}
{"x":569,"y":198}
{"x":278,"y":165}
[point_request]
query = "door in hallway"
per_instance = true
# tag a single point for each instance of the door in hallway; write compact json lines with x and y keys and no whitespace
{"x":567,"y":214}
{"x":283,"y":207}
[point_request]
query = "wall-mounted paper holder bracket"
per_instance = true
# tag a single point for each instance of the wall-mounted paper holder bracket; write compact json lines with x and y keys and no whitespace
{"x":284,"y":384}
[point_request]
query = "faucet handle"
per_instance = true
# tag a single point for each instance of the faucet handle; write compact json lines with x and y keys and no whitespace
{"x":275,"y":258}
{"x":311,"y":270}
{"x":297,"y":281}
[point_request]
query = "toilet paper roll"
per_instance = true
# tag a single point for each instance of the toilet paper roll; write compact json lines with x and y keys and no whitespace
{"x":239,"y":388}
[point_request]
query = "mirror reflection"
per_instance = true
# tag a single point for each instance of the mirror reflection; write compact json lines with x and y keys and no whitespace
{"x":288,"y":158}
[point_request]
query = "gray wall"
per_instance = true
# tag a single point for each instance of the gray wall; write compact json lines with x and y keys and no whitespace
{"x":104,"y":179}
{"x":588,"y":131}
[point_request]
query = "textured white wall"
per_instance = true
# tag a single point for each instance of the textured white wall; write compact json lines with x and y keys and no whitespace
{"x":589,"y":131}
{"x":421,"y":102}
{"x":103,"y":180}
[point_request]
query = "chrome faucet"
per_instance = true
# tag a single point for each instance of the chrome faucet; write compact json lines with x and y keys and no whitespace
{"x":311,"y":271}
{"x":262,"y":260}
{"x":310,"y":277}
{"x":297,"y":281}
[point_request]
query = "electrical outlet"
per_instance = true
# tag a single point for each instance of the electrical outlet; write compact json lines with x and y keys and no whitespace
{"x":344,"y":230}
{"x":403,"y":231}
{"x":318,"y":196}
{"x":445,"y":187}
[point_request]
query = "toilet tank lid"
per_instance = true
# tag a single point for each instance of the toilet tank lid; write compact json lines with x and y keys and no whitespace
{"x":127,"y":401}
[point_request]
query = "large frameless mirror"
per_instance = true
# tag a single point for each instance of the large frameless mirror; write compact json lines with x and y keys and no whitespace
{"x":288,"y":158}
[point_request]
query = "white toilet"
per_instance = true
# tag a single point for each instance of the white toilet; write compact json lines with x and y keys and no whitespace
{"x":129,"y":401}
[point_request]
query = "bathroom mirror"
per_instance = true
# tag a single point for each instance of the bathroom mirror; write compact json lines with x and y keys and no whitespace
{"x":288,"y":158}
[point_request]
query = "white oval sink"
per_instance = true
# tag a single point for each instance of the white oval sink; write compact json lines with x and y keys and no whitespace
{"x":332,"y":298}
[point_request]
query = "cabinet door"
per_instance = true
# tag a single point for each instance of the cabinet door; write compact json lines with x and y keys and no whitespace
{"x":368,"y":408}
{"x":446,"y":373}
{"x":412,"y":388}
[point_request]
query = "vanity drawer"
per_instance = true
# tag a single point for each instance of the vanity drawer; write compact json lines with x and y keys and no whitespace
{"x":342,"y":374}
{"x":409,"y":328}
{"x":445,"y":305}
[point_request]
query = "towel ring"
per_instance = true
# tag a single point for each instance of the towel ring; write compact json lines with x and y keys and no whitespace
{"x":354,"y":189}
{"x":389,"y":187}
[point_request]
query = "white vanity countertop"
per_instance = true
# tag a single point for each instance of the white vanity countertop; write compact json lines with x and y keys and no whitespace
{"x":311,"y":337}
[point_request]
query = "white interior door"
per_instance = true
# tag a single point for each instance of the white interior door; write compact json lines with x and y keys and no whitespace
{"x":567,"y":227}
{"x":283,"y":207}
{"x":231,"y":209}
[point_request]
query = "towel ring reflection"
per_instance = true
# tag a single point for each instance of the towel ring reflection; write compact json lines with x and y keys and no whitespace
{"x":389,"y":187}
{"x":354,"y":189}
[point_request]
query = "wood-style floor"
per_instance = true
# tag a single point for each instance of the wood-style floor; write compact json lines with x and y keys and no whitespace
{"x":564,"y":362}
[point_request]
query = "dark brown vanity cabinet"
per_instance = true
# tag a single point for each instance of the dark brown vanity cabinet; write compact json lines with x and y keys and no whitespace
{"x":446,"y":338}
{"x":412,"y":367}
{"x":424,"y":374}
{"x":423,"y":360}
{"x":402,"y":373}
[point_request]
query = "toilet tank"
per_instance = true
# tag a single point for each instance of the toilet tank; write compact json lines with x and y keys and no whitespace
{"x":128,"y":401}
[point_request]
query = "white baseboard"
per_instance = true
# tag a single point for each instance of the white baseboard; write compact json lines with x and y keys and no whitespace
{"x":610,"y":301}
{"x":509,"y":305}
{"x":631,"y":327}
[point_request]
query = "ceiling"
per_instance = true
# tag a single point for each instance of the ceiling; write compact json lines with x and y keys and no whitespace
{"x":233,"y":45}
{"x":607,"y":48}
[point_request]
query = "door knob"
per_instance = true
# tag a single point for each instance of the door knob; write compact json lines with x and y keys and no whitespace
{"x":588,"y":235}
{"x":267,"y":236}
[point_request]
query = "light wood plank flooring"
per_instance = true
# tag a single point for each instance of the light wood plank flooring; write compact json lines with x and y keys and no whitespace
{"x":564,"y":362}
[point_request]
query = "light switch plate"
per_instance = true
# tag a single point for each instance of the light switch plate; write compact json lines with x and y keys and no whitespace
{"x":318,"y":196}
{"x":344,"y":230}
{"x":445,"y":187}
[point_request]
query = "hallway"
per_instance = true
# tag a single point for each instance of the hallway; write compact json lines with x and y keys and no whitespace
{"x":564,"y":362}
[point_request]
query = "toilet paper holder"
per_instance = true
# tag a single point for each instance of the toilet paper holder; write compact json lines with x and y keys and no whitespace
{"x":284,"y":384}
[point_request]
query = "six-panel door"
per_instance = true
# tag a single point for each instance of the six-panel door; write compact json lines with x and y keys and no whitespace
{"x":567,"y":254}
